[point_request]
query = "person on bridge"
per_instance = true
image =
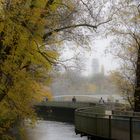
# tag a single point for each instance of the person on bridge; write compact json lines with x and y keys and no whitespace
{"x":73,"y":99}
{"x":101,"y":101}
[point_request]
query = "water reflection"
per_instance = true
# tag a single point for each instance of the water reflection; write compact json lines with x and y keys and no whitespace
{"x":50,"y":130}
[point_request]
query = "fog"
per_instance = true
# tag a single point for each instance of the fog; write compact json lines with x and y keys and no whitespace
{"x":97,"y":84}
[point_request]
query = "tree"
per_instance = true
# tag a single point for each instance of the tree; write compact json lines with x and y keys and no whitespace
{"x":126,"y":48}
{"x":23,"y":59}
{"x":124,"y":86}
{"x":28,"y":29}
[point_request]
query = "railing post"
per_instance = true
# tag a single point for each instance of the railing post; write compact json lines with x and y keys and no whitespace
{"x":130,"y":128}
{"x":110,"y":129}
{"x":96,"y":124}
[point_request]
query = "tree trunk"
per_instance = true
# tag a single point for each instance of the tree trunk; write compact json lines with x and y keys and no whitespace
{"x":137,"y":87}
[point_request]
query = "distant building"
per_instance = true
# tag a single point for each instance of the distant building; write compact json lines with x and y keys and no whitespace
{"x":102,"y":70}
{"x":95,"y":66}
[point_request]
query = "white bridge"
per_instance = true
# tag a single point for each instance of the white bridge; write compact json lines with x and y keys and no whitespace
{"x":92,"y":98}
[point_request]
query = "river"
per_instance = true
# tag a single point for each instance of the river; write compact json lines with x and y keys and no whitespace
{"x":51,"y":130}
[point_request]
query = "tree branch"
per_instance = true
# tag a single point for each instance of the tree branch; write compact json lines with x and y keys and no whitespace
{"x":74,"y":26}
{"x":68,"y":27}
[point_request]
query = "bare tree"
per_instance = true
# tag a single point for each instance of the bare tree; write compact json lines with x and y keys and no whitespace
{"x":126,"y":44}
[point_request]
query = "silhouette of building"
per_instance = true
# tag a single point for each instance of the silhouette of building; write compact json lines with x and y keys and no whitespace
{"x":102,"y":69}
{"x":95,"y":66}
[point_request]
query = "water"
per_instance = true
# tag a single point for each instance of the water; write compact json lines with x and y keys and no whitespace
{"x":51,"y":130}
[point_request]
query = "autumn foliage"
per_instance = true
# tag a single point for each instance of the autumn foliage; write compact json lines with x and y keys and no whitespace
{"x":23,"y":59}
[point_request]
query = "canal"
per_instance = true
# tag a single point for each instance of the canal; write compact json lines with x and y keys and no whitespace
{"x":51,"y":130}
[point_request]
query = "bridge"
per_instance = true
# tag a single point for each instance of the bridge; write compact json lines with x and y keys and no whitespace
{"x":87,"y":98}
{"x":60,"y":111}
{"x":114,"y":127}
{"x":92,"y":121}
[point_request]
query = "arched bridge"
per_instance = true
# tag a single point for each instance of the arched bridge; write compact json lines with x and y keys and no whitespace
{"x":87,"y":98}
{"x":60,"y":111}
{"x":78,"y":97}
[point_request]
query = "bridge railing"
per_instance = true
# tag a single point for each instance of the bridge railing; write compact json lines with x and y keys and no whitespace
{"x":66,"y":104}
{"x":126,"y":113}
{"x":118,"y":127}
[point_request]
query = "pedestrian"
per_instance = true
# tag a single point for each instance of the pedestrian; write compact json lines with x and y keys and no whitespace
{"x":101,"y":101}
{"x":73,"y":99}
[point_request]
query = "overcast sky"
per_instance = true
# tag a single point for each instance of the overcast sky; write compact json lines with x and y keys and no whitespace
{"x":97,"y":51}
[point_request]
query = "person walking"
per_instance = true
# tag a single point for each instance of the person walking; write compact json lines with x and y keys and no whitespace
{"x":73,"y":99}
